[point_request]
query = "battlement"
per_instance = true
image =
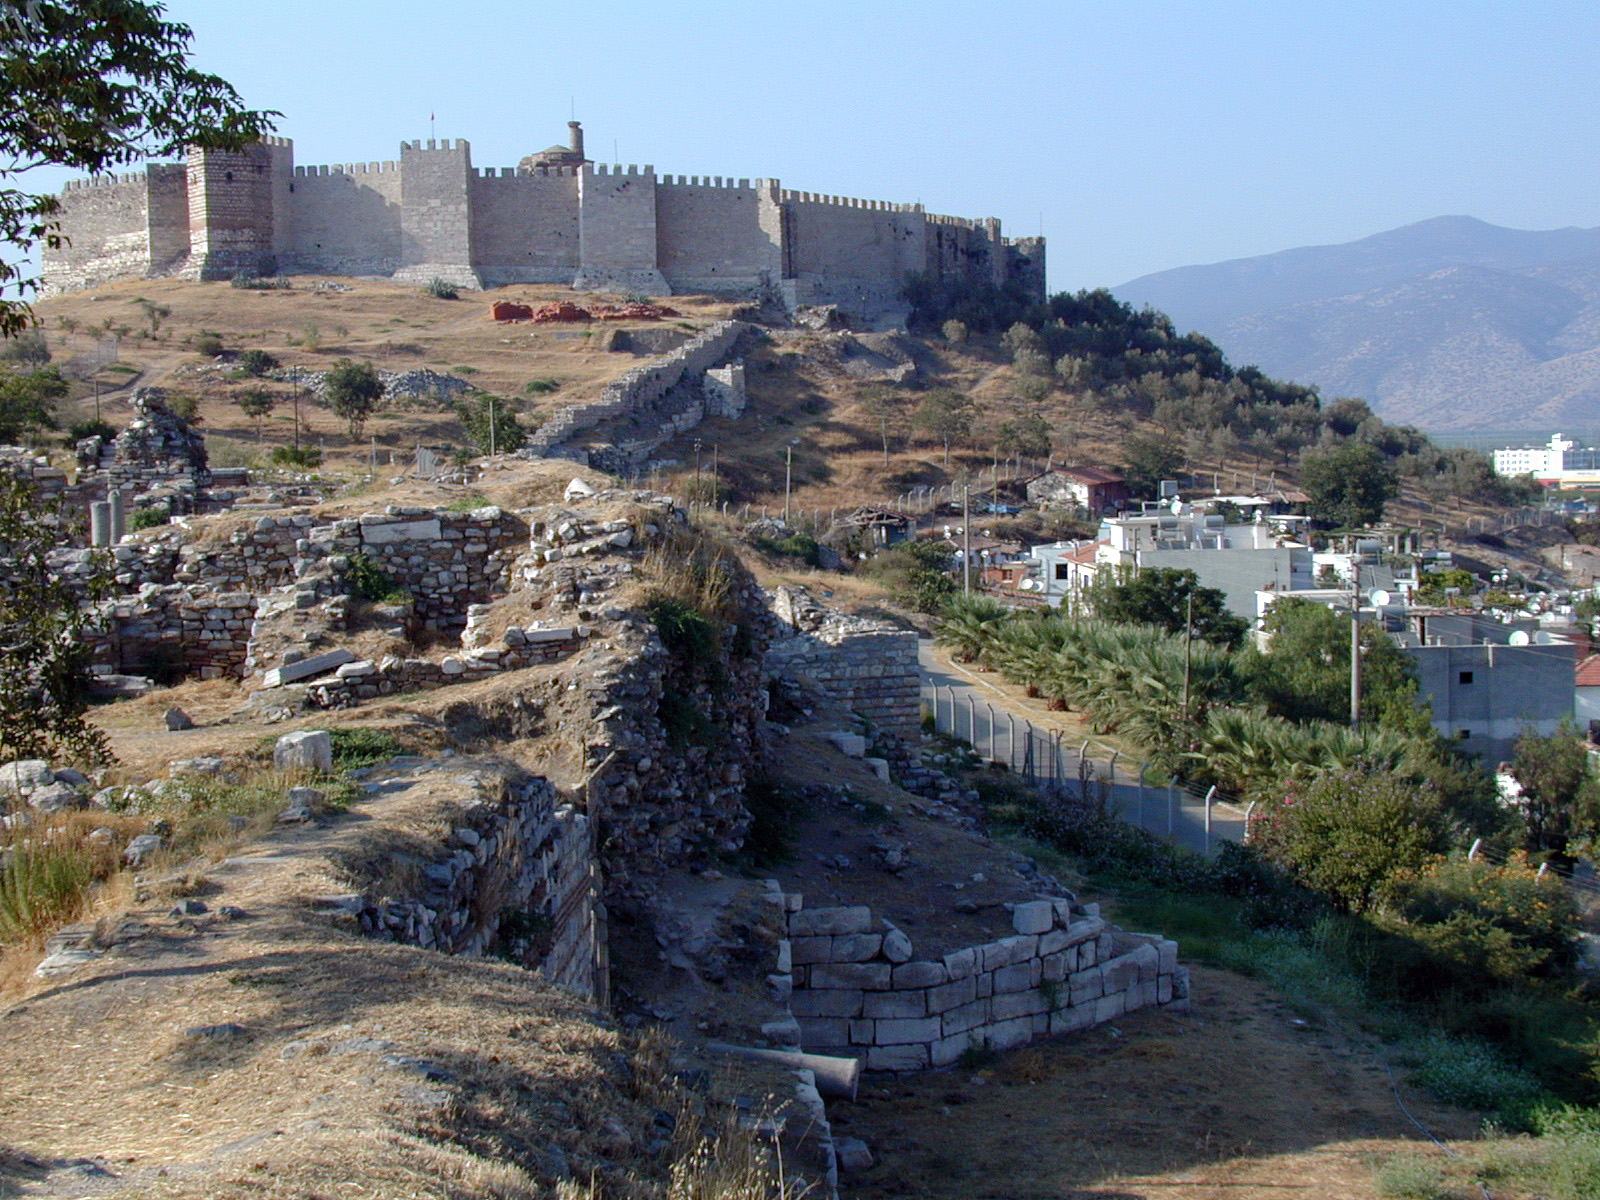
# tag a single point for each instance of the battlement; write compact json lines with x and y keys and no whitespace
{"x":615,"y":169}
{"x":103,"y":181}
{"x":455,"y":145}
{"x":847,"y":202}
{"x":372,"y":168}
{"x":958,"y":222}
{"x":713,"y":182}
{"x":282,"y":143}
{"x":525,"y":176}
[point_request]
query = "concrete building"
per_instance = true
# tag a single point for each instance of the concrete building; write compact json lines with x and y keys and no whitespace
{"x":1563,"y":461}
{"x":556,"y":218}
{"x":1090,"y":488}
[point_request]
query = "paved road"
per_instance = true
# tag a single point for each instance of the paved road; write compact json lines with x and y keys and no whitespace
{"x":997,"y":725}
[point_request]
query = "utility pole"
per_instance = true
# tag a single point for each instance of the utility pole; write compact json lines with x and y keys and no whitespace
{"x":296,"y":386}
{"x":491,"y":426}
{"x":1355,"y":646}
{"x":788,"y":478}
{"x":966,"y":540}
{"x":1188,"y":644}
{"x":714,"y":491}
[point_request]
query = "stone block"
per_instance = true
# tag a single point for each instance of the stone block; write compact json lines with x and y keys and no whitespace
{"x":961,"y":963}
{"x":943,"y":998}
{"x":985,"y":985}
{"x":307,"y":750}
{"x":919,"y":975}
{"x":860,"y":1031}
{"x":906,"y":1032}
{"x":1054,"y":941}
{"x":1033,"y":916}
{"x":851,"y":745}
{"x":1021,"y":947}
{"x":947,"y":1051}
{"x":993,"y":955}
{"x":1109,"y":1008}
{"x":1121,"y":973}
{"x":317,"y":664}
{"x":895,"y":1005}
{"x":814,"y":922}
{"x":1085,"y":986}
{"x":807,"y":951}
{"x":389,"y":532}
{"x":785,"y":962}
{"x":824,"y":1031}
{"x":968,"y":1016}
{"x":897,"y":948}
{"x":1018,"y":1004}
{"x":1008,"y":1035}
{"x":857,"y":947}
{"x":880,"y":767}
{"x":1085,"y":929}
{"x":867,"y":976}
{"x":1054,"y":968}
{"x":1016,"y":978}
{"x":1164,"y":989}
{"x":1168,"y":952}
{"x":1072,"y":1018}
{"x":897,"y":1058}
{"x":832,"y":1002}
{"x":1180,"y":983}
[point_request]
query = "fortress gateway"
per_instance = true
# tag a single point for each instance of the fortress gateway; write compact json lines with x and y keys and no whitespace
{"x":555,"y":218}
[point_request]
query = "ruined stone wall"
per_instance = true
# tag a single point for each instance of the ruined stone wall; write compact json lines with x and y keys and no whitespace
{"x":525,"y":226}
{"x":517,"y":877}
{"x":869,"y":666}
{"x":858,"y":988}
{"x":642,"y":386}
{"x":710,"y":235}
{"x":173,"y":631}
{"x":345,"y":220}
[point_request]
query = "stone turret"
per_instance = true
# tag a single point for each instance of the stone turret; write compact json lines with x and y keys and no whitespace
{"x":570,"y":155}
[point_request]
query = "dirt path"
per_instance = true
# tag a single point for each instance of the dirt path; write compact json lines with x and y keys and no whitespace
{"x":1233,"y":1099}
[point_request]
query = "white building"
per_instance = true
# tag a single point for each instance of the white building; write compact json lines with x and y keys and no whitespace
{"x":1562,"y":461}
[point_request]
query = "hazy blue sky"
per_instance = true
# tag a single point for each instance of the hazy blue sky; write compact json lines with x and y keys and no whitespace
{"x":1140,"y":136}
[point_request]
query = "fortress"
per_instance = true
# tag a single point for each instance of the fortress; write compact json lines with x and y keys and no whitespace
{"x":555,"y":218}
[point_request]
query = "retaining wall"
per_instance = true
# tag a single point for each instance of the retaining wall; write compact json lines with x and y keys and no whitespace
{"x":858,"y":988}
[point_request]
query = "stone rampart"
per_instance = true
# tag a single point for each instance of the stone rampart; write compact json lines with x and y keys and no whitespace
{"x":173,"y":632}
{"x":869,"y":666}
{"x":632,"y":393}
{"x":858,"y":988}
{"x":516,"y":877}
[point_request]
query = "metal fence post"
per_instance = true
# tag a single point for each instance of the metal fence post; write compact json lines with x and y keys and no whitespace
{"x":1011,"y":737}
{"x":1210,"y":796}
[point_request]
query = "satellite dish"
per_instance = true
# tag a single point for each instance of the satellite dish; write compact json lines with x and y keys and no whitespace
{"x":1520,"y":638}
{"x":1379,"y":597}
{"x":1544,"y":639}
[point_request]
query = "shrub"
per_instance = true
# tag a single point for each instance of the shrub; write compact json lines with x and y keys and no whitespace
{"x":541,"y":387}
{"x":354,"y":392}
{"x":1473,"y":1074}
{"x":257,"y":362}
{"x":368,"y":581}
{"x":306,"y":457}
{"x":475,"y":414}
{"x":357,"y":748}
{"x":87,"y":429}
{"x":149,"y":518}
{"x":441,"y":289}
{"x":685,"y":630}
{"x":207,"y":342}
{"x":955,"y":332}
{"x":1490,"y":923}
{"x":28,"y":348}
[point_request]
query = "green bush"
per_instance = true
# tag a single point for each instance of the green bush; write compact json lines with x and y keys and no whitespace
{"x":685,"y":630}
{"x":356,"y":748}
{"x":1472,"y":1074}
{"x":541,"y":387}
{"x":800,"y":546}
{"x":368,"y":581}
{"x":1491,"y":924}
{"x":257,"y":362}
{"x":79,"y":430}
{"x":305,"y":457}
{"x":207,"y":342}
{"x":441,"y":289}
{"x":149,"y":518}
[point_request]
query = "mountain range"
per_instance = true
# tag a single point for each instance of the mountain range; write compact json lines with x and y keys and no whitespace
{"x":1449,"y":324}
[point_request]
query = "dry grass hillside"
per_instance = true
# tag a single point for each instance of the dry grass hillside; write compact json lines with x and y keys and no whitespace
{"x":818,"y":396}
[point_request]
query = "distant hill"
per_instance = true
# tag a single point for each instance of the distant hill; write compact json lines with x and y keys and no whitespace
{"x":1451,"y":323}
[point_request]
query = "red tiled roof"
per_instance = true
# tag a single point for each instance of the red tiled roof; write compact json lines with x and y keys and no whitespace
{"x":1588,"y":672}
{"x":1091,"y":475}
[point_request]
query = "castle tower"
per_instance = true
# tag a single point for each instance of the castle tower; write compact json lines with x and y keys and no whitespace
{"x":570,"y":155}
{"x":436,"y":213}
{"x":575,"y":139}
{"x":233,"y":218}
{"x":617,"y":232}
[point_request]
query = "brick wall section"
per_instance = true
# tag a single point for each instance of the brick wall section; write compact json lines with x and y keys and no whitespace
{"x":231,"y":220}
{"x":617,"y":231}
{"x":711,"y":237}
{"x":525,"y":227}
{"x":107,"y":219}
{"x":436,"y":213}
{"x":345,"y":222}
{"x":362,"y":680}
{"x":859,"y":990}
{"x":194,"y":631}
{"x":521,"y":852}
